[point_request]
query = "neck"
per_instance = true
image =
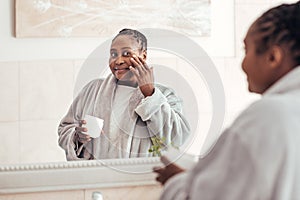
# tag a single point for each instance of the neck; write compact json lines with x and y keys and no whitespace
{"x":127,"y":83}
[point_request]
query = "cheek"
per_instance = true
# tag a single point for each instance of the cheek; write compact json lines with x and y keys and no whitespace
{"x":127,"y":61}
{"x":111,"y":61}
{"x":111,"y":66}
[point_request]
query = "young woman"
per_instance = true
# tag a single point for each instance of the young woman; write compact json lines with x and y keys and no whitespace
{"x":133,"y":108}
{"x":258,"y":157}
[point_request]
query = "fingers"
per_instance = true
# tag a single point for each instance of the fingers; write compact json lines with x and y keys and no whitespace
{"x":165,"y":173}
{"x":80,"y":129}
{"x":158,"y":169}
{"x":134,"y":71}
{"x":161,"y":177}
{"x":137,"y":69}
{"x":139,"y":63}
{"x":137,"y":59}
{"x":83,"y":138}
{"x":165,"y":160}
{"x":81,"y":134}
{"x":82,"y":122}
{"x":141,"y":70}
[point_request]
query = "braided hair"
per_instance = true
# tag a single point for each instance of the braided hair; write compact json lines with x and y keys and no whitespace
{"x":280,"y":26}
{"x":138,"y":36}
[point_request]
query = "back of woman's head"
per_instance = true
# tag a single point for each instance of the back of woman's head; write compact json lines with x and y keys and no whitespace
{"x":280,"y":26}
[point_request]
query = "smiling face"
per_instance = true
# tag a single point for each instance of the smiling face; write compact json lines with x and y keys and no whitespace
{"x":122,"y":49}
{"x":253,"y":66}
{"x":261,"y":69}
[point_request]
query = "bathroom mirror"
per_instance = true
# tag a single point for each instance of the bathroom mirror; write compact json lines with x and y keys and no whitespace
{"x":54,"y":71}
{"x":114,"y":172}
{"x":198,"y":69}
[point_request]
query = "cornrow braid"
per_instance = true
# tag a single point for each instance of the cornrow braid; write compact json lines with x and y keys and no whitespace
{"x":280,"y":26}
{"x":138,"y":36}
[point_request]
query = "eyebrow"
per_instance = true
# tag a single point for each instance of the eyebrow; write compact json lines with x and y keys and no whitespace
{"x":123,"y":48}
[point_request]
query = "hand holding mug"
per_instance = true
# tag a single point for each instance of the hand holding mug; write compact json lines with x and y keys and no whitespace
{"x":81,"y":133}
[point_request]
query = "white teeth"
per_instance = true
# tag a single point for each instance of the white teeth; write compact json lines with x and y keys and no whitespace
{"x":121,"y":69}
{"x":115,"y":68}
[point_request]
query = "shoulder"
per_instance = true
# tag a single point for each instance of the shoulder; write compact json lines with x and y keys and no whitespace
{"x":266,"y":117}
{"x":166,"y":90}
{"x":274,"y":108}
{"x":91,"y":88}
{"x":268,"y":127}
{"x":168,"y":93}
{"x":93,"y":84}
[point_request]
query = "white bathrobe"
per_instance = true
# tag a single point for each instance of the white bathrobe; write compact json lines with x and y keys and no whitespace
{"x":161,"y":113}
{"x":258,"y":157}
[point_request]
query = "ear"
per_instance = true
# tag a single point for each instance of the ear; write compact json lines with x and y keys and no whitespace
{"x":275,"y":57}
{"x":144,"y":54}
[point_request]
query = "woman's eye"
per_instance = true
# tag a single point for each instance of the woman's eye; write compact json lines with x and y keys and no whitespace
{"x":126,"y":53}
{"x":113,"y":54}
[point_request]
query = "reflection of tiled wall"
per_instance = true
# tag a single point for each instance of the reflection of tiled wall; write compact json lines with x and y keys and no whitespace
{"x":34,"y":96}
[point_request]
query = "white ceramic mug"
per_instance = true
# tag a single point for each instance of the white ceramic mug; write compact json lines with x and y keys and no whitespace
{"x":94,"y":126}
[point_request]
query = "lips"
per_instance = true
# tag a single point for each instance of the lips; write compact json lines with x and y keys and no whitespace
{"x":121,"y":70}
{"x":125,"y":68}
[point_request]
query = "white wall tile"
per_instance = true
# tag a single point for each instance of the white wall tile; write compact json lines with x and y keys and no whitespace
{"x":253,"y":2}
{"x":162,"y":67}
{"x":236,"y":87}
{"x":9,"y":87}
{"x":77,"y":67}
{"x":39,"y":141}
{"x":219,"y":63}
{"x":197,"y":81}
{"x":245,"y":15}
{"x":168,"y":61}
{"x":195,"y":93}
{"x":278,"y":2}
{"x":88,"y":70}
{"x":10,"y":143}
{"x":46,"y":89}
{"x":197,"y":140}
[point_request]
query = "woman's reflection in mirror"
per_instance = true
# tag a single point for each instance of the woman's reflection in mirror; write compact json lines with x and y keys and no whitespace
{"x":136,"y":111}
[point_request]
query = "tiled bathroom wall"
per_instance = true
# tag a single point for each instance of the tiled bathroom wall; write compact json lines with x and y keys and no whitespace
{"x":35,"y":95}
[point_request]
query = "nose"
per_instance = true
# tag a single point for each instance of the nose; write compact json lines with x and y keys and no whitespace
{"x":119,"y":60}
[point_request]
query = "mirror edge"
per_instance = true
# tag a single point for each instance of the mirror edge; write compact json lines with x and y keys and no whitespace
{"x":77,"y":175}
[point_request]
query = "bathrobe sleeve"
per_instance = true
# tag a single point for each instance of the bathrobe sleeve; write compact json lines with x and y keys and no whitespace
{"x":226,"y":173}
{"x":66,"y":129}
{"x":163,"y":114}
{"x":253,"y":159}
